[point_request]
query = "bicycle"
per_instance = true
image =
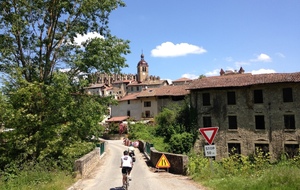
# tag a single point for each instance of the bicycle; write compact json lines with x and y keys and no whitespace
{"x":127,"y":181}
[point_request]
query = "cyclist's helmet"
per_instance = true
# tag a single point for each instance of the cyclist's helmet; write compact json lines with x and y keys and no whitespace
{"x":125,"y":152}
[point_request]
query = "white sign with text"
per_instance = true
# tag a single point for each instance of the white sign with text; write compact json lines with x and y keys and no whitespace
{"x":210,"y":150}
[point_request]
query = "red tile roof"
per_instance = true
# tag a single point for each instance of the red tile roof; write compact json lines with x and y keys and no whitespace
{"x":184,"y":79}
{"x":130,"y":96}
{"x":96,"y":86}
{"x":117,"y":119}
{"x":240,"y":80}
{"x":165,"y":91}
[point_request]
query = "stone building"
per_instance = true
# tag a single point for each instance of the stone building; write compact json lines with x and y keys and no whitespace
{"x":145,"y":105}
{"x":121,"y":84}
{"x":252,"y":111}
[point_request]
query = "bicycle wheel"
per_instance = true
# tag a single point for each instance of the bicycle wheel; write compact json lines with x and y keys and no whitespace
{"x":127,"y":182}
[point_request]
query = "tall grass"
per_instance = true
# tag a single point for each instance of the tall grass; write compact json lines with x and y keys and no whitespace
{"x":254,"y":172}
{"x":38,"y":180}
{"x":34,"y":176}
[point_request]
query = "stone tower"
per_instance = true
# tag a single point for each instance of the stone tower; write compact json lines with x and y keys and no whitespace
{"x":142,"y":70}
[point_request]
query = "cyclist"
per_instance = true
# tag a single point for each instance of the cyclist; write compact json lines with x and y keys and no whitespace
{"x":126,"y":165}
{"x":131,"y":152}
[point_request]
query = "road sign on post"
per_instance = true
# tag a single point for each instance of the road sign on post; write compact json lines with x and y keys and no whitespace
{"x":209,"y":133}
{"x":210,"y":150}
{"x":163,"y":162}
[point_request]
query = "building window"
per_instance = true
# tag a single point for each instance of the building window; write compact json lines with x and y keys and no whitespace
{"x":258,"y":96}
{"x":128,"y":101}
{"x":289,"y":122}
{"x":128,"y":112}
{"x":131,"y":89}
{"x":234,"y":148}
{"x":231,"y":98}
{"x":259,"y":122}
{"x":147,"y":113}
{"x":206,"y":121}
{"x":206,"y":99}
{"x":264,"y":148}
{"x":138,"y":88}
{"x":232,"y":122}
{"x":287,"y":94}
{"x":291,"y":150}
{"x":147,"y":104}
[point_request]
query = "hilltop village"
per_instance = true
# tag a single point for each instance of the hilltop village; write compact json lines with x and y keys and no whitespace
{"x":252,"y":111}
{"x":140,"y":96}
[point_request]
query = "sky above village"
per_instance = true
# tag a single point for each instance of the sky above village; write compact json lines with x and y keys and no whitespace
{"x":196,"y":37}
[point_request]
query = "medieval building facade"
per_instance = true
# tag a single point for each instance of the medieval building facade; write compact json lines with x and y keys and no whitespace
{"x":252,"y":112}
{"x":119,"y":85}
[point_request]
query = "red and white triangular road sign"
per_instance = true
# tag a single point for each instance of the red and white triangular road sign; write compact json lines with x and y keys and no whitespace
{"x":209,"y":133}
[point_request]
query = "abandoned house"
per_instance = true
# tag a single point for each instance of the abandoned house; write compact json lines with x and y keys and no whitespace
{"x":252,"y":111}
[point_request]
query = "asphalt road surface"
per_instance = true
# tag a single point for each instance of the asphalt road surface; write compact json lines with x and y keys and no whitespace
{"x":107,"y":175}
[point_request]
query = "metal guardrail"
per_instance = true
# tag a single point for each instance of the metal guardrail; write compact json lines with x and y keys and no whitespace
{"x":102,"y":147}
{"x":148,"y":146}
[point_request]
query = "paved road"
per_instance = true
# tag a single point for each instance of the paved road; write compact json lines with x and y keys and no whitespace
{"x":107,"y":176}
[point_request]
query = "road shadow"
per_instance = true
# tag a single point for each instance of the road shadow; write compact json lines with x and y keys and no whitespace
{"x":147,"y":161}
{"x":117,"y":188}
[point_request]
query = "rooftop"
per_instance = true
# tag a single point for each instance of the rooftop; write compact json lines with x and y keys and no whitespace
{"x":165,"y":91}
{"x":240,"y":80}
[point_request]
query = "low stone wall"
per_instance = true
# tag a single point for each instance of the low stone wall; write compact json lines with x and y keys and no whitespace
{"x":141,"y":146}
{"x":85,"y":164}
{"x":178,"y":162}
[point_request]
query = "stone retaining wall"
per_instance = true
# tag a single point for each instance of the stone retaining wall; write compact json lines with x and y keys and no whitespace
{"x":85,"y":164}
{"x":178,"y":162}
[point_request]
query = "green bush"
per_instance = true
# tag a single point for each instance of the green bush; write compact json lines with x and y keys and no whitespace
{"x":141,"y":131}
{"x":181,"y":143}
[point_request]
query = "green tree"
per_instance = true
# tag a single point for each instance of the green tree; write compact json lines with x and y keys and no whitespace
{"x":187,"y":117}
{"x":181,"y":143}
{"x":201,"y":76}
{"x":167,"y":126}
{"x":47,"y":109}
{"x":178,"y":127}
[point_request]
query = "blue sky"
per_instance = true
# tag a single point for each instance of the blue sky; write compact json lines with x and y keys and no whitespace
{"x":194,"y":37}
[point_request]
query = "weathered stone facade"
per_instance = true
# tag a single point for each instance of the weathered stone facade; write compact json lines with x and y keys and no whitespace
{"x":272,"y":124}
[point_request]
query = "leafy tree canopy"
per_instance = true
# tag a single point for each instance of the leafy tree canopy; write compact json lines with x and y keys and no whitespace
{"x":45,"y":107}
{"x":201,"y":76}
{"x":37,"y":37}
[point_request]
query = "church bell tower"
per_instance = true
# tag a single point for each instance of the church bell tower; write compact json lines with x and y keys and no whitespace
{"x":142,"y":70}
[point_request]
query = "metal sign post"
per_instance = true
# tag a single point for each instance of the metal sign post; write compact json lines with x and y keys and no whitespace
{"x":210,"y":150}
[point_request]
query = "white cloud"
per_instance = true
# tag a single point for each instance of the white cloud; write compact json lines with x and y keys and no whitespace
{"x":215,"y":72}
{"x":262,"y":58}
{"x":83,"y":38}
{"x":190,"y":76}
{"x":65,"y":70}
{"x":263,"y":71}
{"x":168,"y":49}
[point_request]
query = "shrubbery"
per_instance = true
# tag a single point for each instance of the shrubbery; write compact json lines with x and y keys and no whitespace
{"x":181,"y":143}
{"x":245,"y":172}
